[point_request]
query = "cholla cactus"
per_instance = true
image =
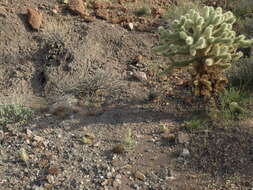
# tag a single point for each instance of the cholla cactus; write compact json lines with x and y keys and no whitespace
{"x":206,"y":43}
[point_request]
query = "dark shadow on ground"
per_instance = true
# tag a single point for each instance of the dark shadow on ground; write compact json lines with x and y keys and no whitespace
{"x":114,"y":116}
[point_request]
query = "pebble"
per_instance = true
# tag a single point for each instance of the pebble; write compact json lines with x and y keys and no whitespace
{"x":38,"y":138}
{"x":185,"y":153}
{"x":117,"y":183}
{"x":118,"y":176}
{"x":140,"y":175}
{"x":29,"y":132}
{"x":35,"y":187}
{"x":131,"y":26}
{"x":141,"y":76}
{"x":109,"y":175}
{"x":105,"y":182}
{"x":50,"y":179}
{"x":183,"y":138}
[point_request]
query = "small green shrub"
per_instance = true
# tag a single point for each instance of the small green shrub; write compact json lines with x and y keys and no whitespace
{"x":232,"y":103}
{"x":100,"y":87}
{"x":13,"y":114}
{"x":195,"y":124}
{"x":143,"y":11}
{"x":128,"y":140}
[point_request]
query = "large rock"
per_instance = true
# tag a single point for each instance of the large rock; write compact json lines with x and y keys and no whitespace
{"x":76,"y":6}
{"x":34,"y":18}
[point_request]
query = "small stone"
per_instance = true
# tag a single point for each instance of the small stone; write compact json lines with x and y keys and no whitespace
{"x":140,"y":175}
{"x":76,"y":6}
{"x":185,"y":153}
{"x":101,"y":4}
{"x":54,"y":170}
{"x":96,"y":144}
{"x":158,"y":12}
{"x":38,"y":138}
{"x":183,"y":138}
{"x":105,"y":182}
{"x":29,"y":132}
{"x":119,"y":149}
{"x":118,"y":20}
{"x":141,"y":76}
{"x":3,"y":13}
{"x":87,"y":18}
{"x":131,"y":26}
{"x":180,"y":160}
{"x":127,"y":167}
{"x":118,"y":176}
{"x":55,"y":11}
{"x":35,"y":187}
{"x":109,"y":175}
{"x":34,"y":18}
{"x":135,"y":186}
{"x":50,"y":179}
{"x":116,"y":183}
{"x":48,"y":186}
{"x":1,"y":135}
{"x":102,"y":13}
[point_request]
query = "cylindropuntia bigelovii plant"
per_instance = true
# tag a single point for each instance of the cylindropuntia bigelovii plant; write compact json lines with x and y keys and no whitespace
{"x":206,"y":43}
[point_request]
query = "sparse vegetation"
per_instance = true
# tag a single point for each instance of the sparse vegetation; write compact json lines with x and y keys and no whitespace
{"x":98,"y":88}
{"x":95,"y":127}
{"x":233,"y":104}
{"x":245,"y":26}
{"x":241,"y":72}
{"x":10,"y":114}
{"x":205,"y":42}
{"x":195,"y":124}
{"x":128,"y":140}
{"x":143,"y":11}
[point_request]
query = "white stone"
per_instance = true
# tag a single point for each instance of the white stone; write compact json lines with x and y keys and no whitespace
{"x":131,"y":26}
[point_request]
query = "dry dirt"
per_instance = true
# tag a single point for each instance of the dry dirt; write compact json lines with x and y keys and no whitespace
{"x":38,"y":69}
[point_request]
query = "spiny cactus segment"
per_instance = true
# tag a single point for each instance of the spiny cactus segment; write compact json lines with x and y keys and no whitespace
{"x":206,"y":42}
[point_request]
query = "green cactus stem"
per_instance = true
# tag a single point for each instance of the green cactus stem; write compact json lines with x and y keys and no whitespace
{"x":207,"y":45}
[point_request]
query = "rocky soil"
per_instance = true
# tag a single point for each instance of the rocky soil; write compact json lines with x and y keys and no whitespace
{"x":102,"y":117}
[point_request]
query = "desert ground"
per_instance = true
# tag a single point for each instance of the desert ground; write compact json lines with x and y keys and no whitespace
{"x":83,"y":107}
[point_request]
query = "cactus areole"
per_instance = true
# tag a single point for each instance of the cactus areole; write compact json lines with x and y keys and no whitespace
{"x":206,"y":43}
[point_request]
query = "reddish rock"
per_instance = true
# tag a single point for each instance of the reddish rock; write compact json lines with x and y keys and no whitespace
{"x":101,"y":5}
{"x":87,"y":18}
{"x":102,"y":13}
{"x":76,"y":6}
{"x":34,"y":18}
